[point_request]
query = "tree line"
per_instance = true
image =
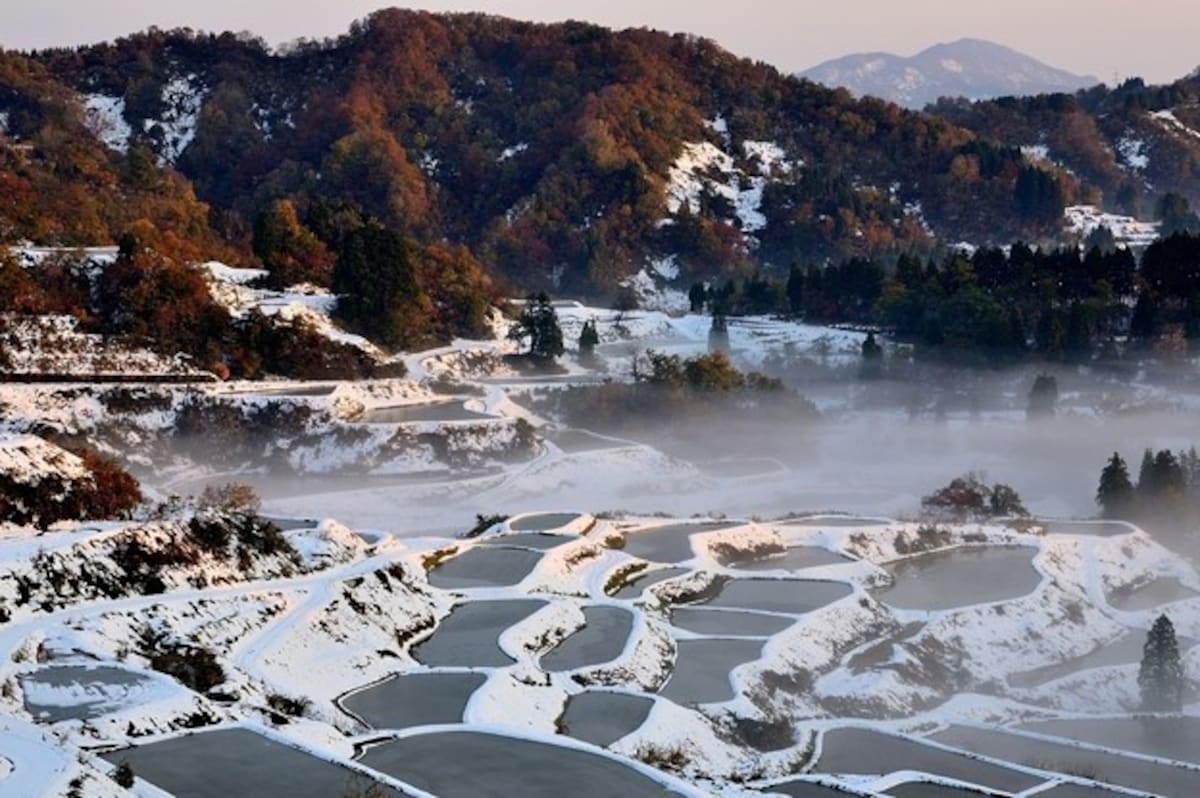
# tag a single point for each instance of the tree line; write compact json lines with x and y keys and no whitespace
{"x":1168,"y":484}
{"x":996,"y":305}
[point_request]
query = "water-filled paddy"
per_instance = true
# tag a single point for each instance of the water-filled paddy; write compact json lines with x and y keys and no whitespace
{"x":1169,"y":738}
{"x":836,"y":522}
{"x":728,"y":622}
{"x":795,"y":558}
{"x":1100,"y":529}
{"x":226,"y":762}
{"x":1110,"y":768}
{"x":792,"y":596}
{"x":668,"y":544}
{"x":602,"y":718}
{"x":489,"y":566}
{"x":1079,"y":791}
{"x":925,"y":789}
{"x":702,"y":669}
{"x":468,"y":636}
{"x":538,"y":541}
{"x":807,"y":789}
{"x":408,"y":414}
{"x":743,"y":467}
{"x":861,"y":751}
{"x":415,"y":699}
{"x":1161,"y":591}
{"x":1125,"y":650}
{"x":961,"y":577}
{"x":502,"y":767}
{"x":543,"y":522}
{"x":638,"y":586}
{"x":574,"y":441}
{"x":602,"y":639}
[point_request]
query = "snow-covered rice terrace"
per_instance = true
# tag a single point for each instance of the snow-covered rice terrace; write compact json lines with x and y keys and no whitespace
{"x":661,"y":613}
{"x":774,"y":658}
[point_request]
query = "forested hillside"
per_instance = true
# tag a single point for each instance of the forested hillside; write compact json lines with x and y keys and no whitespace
{"x":562,"y":154}
{"x":420,"y":166}
{"x":1127,"y":145}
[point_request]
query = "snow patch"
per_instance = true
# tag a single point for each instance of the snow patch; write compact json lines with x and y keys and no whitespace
{"x":653,"y":296}
{"x":513,"y":151}
{"x":1134,"y":153}
{"x":1036,"y":153}
{"x":182,"y":98}
{"x":105,"y":117}
{"x":311,"y":304}
{"x":1172,"y":123}
{"x":705,"y":169}
{"x":1083,"y":220}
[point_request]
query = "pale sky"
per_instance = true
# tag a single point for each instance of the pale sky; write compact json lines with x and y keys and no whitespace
{"x":1156,"y":39}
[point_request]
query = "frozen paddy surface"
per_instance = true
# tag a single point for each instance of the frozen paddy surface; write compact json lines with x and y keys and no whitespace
{"x":1123,"y":771}
{"x":503,"y":767}
{"x":229,"y":762}
{"x":961,"y":577}
{"x":81,"y":692}
{"x":602,"y":718}
{"x":602,"y":639}
{"x":468,"y":637}
{"x":492,"y":566}
{"x":415,"y":699}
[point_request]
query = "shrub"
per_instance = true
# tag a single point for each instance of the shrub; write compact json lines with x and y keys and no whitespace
{"x":231,"y":497}
{"x":969,"y":497}
{"x":123,"y":775}
{"x":195,"y":667}
{"x":483,"y":523}
{"x":293,"y":707}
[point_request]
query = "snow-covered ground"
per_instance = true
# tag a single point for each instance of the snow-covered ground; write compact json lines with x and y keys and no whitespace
{"x":311,"y":304}
{"x":1083,"y":220}
{"x":704,"y":169}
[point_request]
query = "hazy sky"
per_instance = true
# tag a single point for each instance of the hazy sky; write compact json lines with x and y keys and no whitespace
{"x":1156,"y":39}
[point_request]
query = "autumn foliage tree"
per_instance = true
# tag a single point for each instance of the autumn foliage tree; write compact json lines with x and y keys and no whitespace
{"x":289,"y":251}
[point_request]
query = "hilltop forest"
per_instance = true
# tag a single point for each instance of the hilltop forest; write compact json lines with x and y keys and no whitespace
{"x":422,"y":166}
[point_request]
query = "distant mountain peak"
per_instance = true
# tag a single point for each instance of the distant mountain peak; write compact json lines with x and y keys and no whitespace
{"x":973,"y":68}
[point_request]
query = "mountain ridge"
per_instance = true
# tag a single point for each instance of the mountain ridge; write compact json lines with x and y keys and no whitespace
{"x":968,"y":67}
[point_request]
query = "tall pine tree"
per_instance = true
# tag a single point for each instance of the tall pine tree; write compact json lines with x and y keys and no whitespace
{"x":1115,"y":494}
{"x":1160,"y":677}
{"x":589,"y":339}
{"x":539,"y":323}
